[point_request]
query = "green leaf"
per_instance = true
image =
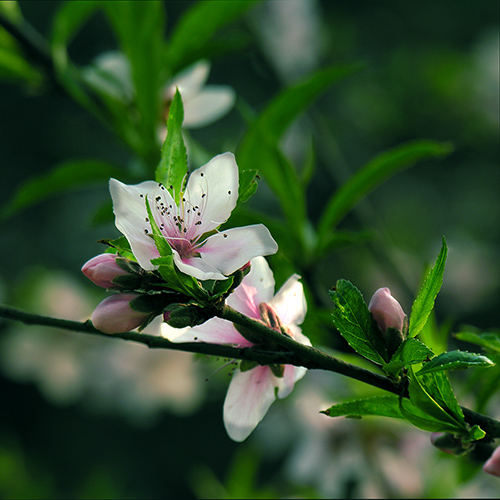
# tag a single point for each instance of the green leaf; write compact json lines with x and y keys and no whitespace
{"x":178,"y":281}
{"x":355,"y":323}
{"x":173,"y":164}
{"x":197,"y":28}
{"x":139,"y":27}
{"x":161,"y":243}
{"x":266,"y":131}
{"x":373,"y":174}
{"x":65,"y":177}
{"x":424,"y":303}
{"x":383,"y":406}
{"x":410,"y":352}
{"x":455,"y":360}
{"x":247,"y":185}
{"x":488,"y":340}
{"x":432,"y":404}
{"x":67,"y":21}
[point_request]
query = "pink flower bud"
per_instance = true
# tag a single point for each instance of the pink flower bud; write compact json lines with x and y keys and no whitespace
{"x":439,"y":440}
{"x":102,"y":269}
{"x":386,"y":310}
{"x":492,"y":465}
{"x":114,"y":314}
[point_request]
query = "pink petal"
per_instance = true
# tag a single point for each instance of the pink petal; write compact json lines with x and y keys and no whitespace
{"x":214,"y":331}
{"x":248,"y":398}
{"x":130,"y":218}
{"x":492,"y":465}
{"x":232,"y":249}
{"x":290,"y":302}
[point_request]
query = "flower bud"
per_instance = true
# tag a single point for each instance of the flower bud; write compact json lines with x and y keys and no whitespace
{"x":492,"y":465}
{"x":114,"y":314}
{"x":386,"y":310}
{"x":102,"y":269}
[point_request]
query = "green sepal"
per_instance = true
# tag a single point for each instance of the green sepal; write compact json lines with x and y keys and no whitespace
{"x":278,"y":370}
{"x":356,"y":324}
{"x":247,"y":365}
{"x":128,"y":281}
{"x":148,"y":303}
{"x":393,"y":339}
{"x":119,"y":246}
{"x":188,"y":315}
{"x":129,"y":266}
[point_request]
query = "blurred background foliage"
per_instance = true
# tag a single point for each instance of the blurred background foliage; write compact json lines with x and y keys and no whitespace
{"x":332,"y":98}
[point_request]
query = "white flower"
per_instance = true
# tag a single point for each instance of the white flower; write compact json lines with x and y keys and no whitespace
{"x":203,"y":104}
{"x":210,"y":196}
{"x":252,"y":392}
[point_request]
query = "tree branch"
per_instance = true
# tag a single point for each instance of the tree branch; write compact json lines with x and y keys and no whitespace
{"x":296,"y":354}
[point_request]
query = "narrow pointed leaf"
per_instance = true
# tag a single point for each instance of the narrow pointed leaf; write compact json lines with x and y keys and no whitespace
{"x":355,"y":323}
{"x":383,"y":406}
{"x":173,"y":164}
{"x":424,"y":303}
{"x":266,"y":131}
{"x":197,"y":28}
{"x":373,"y":174}
{"x":455,"y":360}
{"x":488,"y":340}
{"x":65,"y":177}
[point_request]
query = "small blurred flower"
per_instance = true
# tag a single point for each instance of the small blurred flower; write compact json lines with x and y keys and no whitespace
{"x":492,"y":465}
{"x":115,"y":314}
{"x":254,"y":389}
{"x":110,"y":73}
{"x":203,"y":104}
{"x":103,"y":269}
{"x":210,"y":196}
{"x":386,"y":310}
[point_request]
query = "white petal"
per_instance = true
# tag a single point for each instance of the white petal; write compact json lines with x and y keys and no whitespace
{"x":257,"y":286}
{"x":130,"y":215}
{"x":213,"y":102}
{"x":190,"y":81}
{"x":249,"y":396}
{"x":214,"y":331}
{"x":288,"y":381}
{"x":197,"y":267}
{"x":214,"y":189}
{"x":290,"y":302}
{"x":232,"y":249}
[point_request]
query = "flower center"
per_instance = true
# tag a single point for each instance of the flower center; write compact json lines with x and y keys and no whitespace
{"x":181,"y":225}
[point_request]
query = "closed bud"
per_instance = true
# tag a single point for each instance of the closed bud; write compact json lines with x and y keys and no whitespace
{"x":492,"y":465}
{"x":386,"y":310}
{"x":114,"y":314}
{"x":103,"y":269}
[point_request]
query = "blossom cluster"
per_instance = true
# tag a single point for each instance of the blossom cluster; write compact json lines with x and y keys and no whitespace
{"x":199,"y":250}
